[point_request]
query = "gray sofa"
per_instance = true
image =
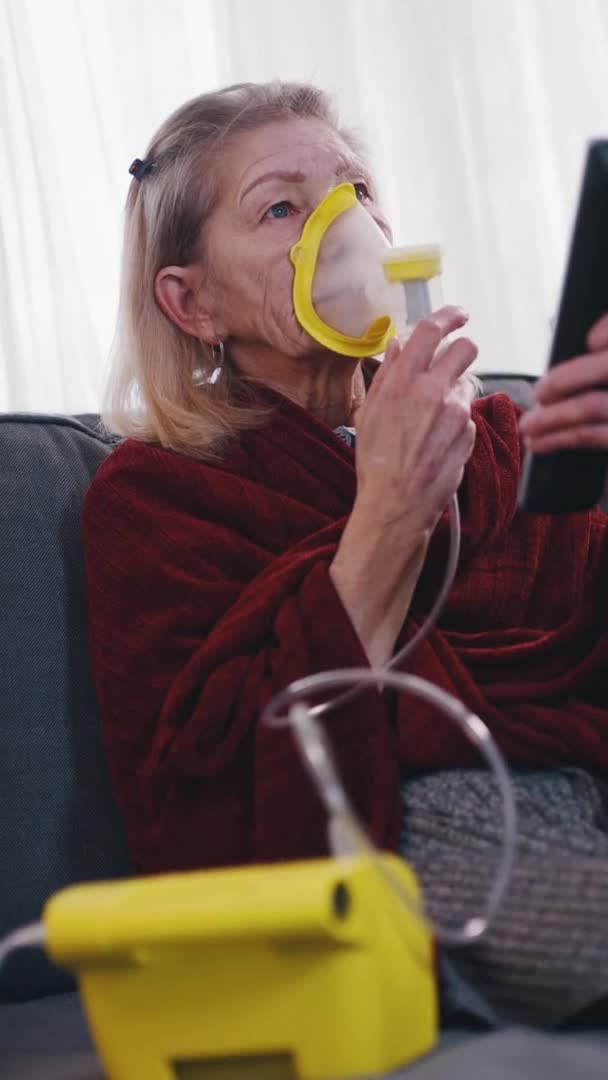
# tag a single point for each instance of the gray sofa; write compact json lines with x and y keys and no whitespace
{"x":59,"y":823}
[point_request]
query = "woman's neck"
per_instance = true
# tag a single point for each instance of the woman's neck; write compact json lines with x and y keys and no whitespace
{"x":330,"y":387}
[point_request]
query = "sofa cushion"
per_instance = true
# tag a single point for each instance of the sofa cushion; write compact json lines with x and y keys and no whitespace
{"x":520,"y":388}
{"x":58,"y":822}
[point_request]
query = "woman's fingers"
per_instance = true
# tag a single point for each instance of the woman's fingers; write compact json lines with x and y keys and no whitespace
{"x":582,"y":409}
{"x":581,"y":436}
{"x":572,"y":409}
{"x":577,"y":422}
{"x":578,"y":374}
{"x":572,"y":377}
{"x":427,"y":348}
{"x":428,"y":335}
{"x":455,"y":360}
{"x":391,"y":354}
{"x":597,"y":337}
{"x":451,"y":468}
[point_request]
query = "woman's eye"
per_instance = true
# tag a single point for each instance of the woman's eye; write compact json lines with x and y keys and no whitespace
{"x":278,"y":210}
{"x":362,"y":191}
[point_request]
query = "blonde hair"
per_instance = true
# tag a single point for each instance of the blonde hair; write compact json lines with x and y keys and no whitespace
{"x":162,"y":386}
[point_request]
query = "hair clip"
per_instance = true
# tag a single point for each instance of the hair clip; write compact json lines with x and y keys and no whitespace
{"x":139,"y":168}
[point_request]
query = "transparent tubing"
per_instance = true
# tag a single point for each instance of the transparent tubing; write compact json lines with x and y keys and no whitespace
{"x":418,"y":304}
{"x":31,"y":935}
{"x":347,"y":835}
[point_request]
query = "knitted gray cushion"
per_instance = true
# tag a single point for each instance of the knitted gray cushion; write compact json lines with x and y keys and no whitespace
{"x":58,"y":820}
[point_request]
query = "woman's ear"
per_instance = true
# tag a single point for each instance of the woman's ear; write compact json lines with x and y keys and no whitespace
{"x":178,"y":293}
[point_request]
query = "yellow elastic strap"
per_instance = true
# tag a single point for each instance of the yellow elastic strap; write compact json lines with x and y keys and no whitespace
{"x":304,"y":257}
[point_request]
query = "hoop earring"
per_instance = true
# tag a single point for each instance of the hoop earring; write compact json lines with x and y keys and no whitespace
{"x":219,"y":353}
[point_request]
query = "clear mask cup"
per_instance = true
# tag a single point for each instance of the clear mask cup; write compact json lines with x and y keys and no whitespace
{"x":353,"y":291}
{"x":350,"y":292}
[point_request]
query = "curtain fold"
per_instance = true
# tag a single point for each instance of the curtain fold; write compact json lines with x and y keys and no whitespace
{"x":476,"y":114}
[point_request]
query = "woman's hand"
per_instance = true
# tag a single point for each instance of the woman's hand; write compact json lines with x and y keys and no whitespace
{"x":414,"y":431}
{"x":414,"y":437}
{"x":571,"y":409}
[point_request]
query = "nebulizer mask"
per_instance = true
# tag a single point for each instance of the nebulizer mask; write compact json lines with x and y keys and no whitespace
{"x":353,"y":291}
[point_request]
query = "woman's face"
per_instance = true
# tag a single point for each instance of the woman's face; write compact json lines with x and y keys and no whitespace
{"x":272,"y":179}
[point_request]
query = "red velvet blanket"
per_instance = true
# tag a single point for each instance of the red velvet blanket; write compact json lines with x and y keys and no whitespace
{"x":208,"y":590}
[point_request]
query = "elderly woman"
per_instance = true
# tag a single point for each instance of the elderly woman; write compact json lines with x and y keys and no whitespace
{"x":238,"y":539}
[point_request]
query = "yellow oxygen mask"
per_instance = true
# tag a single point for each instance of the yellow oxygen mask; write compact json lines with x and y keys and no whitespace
{"x":347,"y":288}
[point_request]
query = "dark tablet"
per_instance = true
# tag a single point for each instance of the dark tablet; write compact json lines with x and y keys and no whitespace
{"x":568,"y":480}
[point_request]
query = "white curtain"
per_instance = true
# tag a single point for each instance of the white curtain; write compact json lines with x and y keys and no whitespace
{"x":476,"y":113}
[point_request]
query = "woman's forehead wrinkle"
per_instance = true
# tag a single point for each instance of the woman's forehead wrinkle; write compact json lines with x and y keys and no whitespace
{"x":307,"y":157}
{"x":347,"y":163}
{"x":285,"y":154}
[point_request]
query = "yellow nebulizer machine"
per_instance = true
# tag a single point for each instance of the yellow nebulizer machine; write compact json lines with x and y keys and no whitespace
{"x":306,"y":969}
{"x":317,"y":970}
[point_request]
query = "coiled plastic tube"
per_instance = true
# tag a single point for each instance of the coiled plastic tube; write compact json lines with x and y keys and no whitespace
{"x":347,"y":835}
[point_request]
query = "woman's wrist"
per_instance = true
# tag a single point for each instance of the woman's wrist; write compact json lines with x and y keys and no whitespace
{"x":375,"y":571}
{"x":375,"y":542}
